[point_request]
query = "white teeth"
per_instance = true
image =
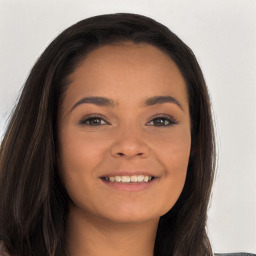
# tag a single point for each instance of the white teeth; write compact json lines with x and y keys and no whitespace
{"x":129,"y":179}
{"x":134,"y":178}
{"x":126,"y":179}
{"x":118,"y":178}
{"x":112,"y":179}
{"x":146,"y":179}
{"x":140,"y":178}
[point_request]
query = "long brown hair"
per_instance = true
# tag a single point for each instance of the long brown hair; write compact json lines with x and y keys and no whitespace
{"x":33,"y":201}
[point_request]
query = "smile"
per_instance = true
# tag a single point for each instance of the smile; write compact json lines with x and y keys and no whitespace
{"x":129,"y":179}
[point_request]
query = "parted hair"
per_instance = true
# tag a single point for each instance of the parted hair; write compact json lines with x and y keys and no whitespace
{"x":33,"y":200}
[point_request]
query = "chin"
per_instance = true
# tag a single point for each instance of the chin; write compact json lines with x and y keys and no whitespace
{"x":134,"y":214}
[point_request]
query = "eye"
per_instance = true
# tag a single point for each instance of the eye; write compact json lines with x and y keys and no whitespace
{"x":160,"y":121}
{"x":93,"y":121}
{"x":163,"y":121}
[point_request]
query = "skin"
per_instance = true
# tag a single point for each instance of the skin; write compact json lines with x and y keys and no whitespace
{"x":104,"y":218}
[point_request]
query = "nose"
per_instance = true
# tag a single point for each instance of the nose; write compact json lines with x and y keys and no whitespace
{"x":128,"y":144}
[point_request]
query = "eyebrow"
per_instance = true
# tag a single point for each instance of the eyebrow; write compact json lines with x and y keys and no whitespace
{"x":106,"y":102}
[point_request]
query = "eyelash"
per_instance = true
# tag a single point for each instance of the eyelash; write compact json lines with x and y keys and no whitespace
{"x":170,"y":119}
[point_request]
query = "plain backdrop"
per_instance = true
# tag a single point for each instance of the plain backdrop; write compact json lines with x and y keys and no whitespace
{"x":222,"y":34}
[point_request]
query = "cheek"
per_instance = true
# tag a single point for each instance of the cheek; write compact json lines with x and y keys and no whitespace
{"x":80,"y":149}
{"x":177,"y":152}
{"x":173,"y":154}
{"x":173,"y":150}
{"x":176,"y":158}
{"x":79,"y":156}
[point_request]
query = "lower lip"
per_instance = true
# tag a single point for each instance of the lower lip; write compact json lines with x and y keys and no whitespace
{"x":133,"y":187}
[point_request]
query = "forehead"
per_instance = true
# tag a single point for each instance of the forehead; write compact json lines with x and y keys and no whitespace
{"x":136,"y":57}
{"x":127,"y":71}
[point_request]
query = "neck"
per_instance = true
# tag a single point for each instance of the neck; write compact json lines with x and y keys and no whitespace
{"x":95,"y":236}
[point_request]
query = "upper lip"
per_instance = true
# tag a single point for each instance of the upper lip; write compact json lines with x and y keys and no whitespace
{"x":130,"y":172}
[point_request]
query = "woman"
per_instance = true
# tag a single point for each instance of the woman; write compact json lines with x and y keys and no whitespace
{"x":110,"y":150}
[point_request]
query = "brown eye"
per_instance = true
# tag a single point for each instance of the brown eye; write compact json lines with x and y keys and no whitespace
{"x":93,"y":121}
{"x":163,"y":121}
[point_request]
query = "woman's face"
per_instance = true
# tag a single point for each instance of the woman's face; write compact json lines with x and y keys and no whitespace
{"x":124,"y":120}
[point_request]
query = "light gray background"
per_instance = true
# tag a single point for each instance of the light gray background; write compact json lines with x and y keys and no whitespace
{"x":221,"y":33}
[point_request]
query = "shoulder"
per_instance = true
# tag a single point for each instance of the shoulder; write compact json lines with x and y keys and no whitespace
{"x":2,"y":250}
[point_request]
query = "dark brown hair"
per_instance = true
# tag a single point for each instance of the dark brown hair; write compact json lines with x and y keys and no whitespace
{"x":33,"y":202}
